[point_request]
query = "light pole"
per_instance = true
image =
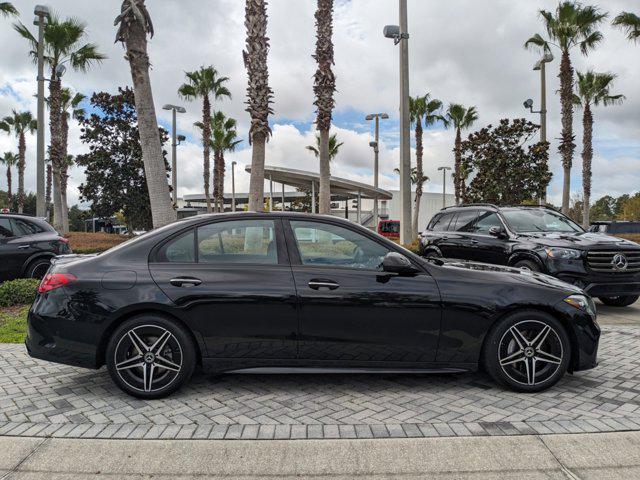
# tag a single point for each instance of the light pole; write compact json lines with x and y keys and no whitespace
{"x":233,"y":186}
{"x":42,"y":14}
{"x":376,"y":150}
{"x":174,"y":150}
{"x":444,"y":184}
{"x":400,"y":36}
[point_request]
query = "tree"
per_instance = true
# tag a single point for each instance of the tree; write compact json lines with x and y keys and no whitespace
{"x":630,"y":23}
{"x":324,"y":87}
{"x":63,"y":44}
{"x":504,"y":172}
{"x":572,"y":25}
{"x":20,"y":123}
{"x":334,"y":146}
{"x":592,"y":90}
{"x":413,"y":175}
{"x":114,"y":167}
{"x":427,"y":110}
{"x":224,"y":138}
{"x":259,"y":95}
{"x":70,"y":105}
{"x":603,"y":208}
{"x":77,"y":218}
{"x":631,"y":209}
{"x":205,"y":83}
{"x":461,"y":118}
{"x":7,"y":9}
{"x":9,"y":159}
{"x":134,"y":23}
{"x":619,"y":205}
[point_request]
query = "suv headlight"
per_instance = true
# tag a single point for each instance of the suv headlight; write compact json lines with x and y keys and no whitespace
{"x":582,"y":302}
{"x":563,"y":253}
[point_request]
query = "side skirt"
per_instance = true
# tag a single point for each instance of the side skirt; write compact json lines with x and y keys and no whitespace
{"x":312,"y":370}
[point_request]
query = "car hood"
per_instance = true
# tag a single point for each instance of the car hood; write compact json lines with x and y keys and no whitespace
{"x":579,"y":240}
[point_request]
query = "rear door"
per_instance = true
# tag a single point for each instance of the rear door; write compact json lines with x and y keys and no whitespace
{"x":14,"y":250}
{"x":232,"y":281}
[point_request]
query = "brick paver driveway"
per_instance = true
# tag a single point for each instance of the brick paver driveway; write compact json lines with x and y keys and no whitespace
{"x":44,"y":399}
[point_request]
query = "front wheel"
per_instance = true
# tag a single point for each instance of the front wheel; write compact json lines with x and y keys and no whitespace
{"x":527,"y":351}
{"x":150,"y":356}
{"x":622,"y":301}
{"x":529,"y":265}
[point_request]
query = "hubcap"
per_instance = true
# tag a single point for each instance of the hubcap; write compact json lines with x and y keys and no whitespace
{"x":148,"y":358}
{"x":530,"y":352}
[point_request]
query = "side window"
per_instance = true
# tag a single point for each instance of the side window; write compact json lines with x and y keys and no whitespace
{"x":441,"y":223}
{"x":5,"y":228}
{"x":330,"y":245}
{"x":464,"y":221}
{"x":485,"y":221}
{"x":179,"y":250}
{"x":238,"y":241}
{"x":22,"y":227}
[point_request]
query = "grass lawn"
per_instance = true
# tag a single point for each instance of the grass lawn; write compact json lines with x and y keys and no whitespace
{"x":81,"y":242}
{"x":13,"y":324}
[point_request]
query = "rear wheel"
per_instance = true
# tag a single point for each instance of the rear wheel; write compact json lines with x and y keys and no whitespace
{"x":150,"y":356}
{"x":622,"y":301}
{"x":38,"y":268}
{"x":527,"y":351}
{"x":527,"y":265}
{"x":432,"y":254}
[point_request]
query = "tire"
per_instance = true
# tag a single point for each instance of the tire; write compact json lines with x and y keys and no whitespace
{"x":622,"y":301}
{"x":528,"y":265}
{"x":150,"y":356}
{"x":432,"y":254}
{"x":38,"y":268}
{"x":514,"y":360}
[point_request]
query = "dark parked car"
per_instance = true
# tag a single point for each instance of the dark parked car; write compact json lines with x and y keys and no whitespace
{"x":27,"y":246}
{"x":616,"y":228}
{"x":539,"y":239}
{"x":276,"y":292}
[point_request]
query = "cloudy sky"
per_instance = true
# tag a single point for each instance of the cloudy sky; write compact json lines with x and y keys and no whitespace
{"x":462,"y":51}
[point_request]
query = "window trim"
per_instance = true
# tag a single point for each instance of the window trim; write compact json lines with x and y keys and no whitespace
{"x":499,"y":218}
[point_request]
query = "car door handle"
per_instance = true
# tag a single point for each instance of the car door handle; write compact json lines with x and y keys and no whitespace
{"x":185,"y":282}
{"x":23,"y":247}
{"x":475,"y":242}
{"x":317,"y":284}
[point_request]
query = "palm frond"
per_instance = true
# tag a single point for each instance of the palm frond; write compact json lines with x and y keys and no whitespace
{"x":630,"y":24}
{"x":7,"y":9}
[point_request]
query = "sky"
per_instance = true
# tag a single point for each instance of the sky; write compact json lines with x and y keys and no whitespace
{"x":461,"y":51}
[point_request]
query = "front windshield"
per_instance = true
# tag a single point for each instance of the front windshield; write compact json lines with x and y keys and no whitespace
{"x":527,"y":220}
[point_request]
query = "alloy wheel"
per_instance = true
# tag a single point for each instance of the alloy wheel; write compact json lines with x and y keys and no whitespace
{"x":530,"y":352}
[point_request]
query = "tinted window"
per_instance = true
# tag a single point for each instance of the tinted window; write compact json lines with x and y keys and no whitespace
{"x":464,"y":221}
{"x":239,"y":241}
{"x":5,"y":228}
{"x":486,"y":220}
{"x":441,"y":223}
{"x":331,"y":245}
{"x":539,"y":220}
{"x":22,"y":227}
{"x":390,"y":227}
{"x":179,"y":250}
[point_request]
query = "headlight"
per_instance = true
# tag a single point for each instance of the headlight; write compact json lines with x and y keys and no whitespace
{"x":563,"y":253}
{"x":582,"y":302}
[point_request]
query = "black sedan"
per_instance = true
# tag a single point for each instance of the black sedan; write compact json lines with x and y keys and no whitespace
{"x":269,"y":292}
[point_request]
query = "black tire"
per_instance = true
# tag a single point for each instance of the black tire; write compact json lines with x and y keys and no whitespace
{"x":622,"y":301}
{"x":432,"y":254}
{"x":527,"y":368}
{"x":528,"y":265}
{"x":38,"y":268}
{"x":134,"y":367}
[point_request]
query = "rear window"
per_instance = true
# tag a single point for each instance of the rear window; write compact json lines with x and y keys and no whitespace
{"x":464,"y":221}
{"x":440,"y":223}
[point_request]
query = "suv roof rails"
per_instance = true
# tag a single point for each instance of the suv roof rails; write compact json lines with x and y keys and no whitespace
{"x":491,"y":205}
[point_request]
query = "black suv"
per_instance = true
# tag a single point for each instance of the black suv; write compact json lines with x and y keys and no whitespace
{"x":539,"y":239}
{"x":27,"y":245}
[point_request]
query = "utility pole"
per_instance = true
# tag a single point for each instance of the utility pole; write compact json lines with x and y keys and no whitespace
{"x":42,"y":13}
{"x":405,"y":144}
{"x":376,"y":165}
{"x":174,"y":150}
{"x":444,"y":184}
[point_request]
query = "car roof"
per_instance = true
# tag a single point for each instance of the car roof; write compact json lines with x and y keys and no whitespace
{"x":491,"y":206}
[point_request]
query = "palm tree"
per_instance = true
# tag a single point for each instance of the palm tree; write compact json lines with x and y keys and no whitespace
{"x":334,"y":146}
{"x":205,"y":83}
{"x":324,"y":87}
{"x":630,"y":23}
{"x":572,"y":25}
{"x":63,"y":43}
{"x":413,"y":175}
{"x":10,"y":159}
{"x":461,"y":118}
{"x":134,"y":23}
{"x":427,"y":110}
{"x":224,"y":138}
{"x":49,"y":181}
{"x":20,"y":123}
{"x":592,"y":90}
{"x":7,"y":9}
{"x":259,"y":95}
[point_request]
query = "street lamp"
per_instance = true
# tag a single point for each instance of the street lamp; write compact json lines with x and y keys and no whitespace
{"x":375,"y":145}
{"x":174,"y":150}
{"x":42,"y":14}
{"x":444,"y":184}
{"x":233,"y":185}
{"x":400,"y":36}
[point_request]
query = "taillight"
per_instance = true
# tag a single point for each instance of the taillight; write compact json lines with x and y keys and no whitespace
{"x":51,"y":281}
{"x":64,"y":240}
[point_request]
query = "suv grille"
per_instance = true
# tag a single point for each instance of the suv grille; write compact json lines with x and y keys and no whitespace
{"x":613,"y":262}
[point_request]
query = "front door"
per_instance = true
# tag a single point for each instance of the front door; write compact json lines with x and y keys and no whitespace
{"x":486,"y":247}
{"x":233,"y":282}
{"x":351,"y":312}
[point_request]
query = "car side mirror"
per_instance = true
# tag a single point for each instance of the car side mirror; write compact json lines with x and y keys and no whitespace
{"x":497,"y":232}
{"x":395,"y":262}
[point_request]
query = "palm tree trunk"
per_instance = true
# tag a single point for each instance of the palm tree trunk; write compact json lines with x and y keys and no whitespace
{"x":9,"y":184}
{"x":48,"y":191}
{"x":221,"y":173}
{"x":325,"y":174}
{"x":216,"y":177}
{"x":162,"y":211}
{"x":206,"y":150}
{"x":22,"y":148}
{"x":567,"y":145}
{"x":587,"y":156}
{"x":457,"y":177}
{"x":419,"y":178}
{"x":64,"y":173}
{"x":57,"y":149}
{"x":256,"y":184}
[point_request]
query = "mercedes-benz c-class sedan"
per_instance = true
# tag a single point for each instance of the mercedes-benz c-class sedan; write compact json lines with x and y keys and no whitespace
{"x":286,"y":292}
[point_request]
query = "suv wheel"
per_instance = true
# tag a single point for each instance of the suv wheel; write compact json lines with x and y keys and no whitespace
{"x":150,"y":357}
{"x":527,"y":351}
{"x":623,"y":301}
{"x":527,"y":265}
{"x":38,"y":268}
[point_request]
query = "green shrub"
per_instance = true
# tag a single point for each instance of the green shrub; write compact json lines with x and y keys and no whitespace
{"x":18,"y":292}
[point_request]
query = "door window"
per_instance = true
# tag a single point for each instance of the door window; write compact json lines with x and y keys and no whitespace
{"x":179,"y":250}
{"x":464,"y":221}
{"x":238,"y":241}
{"x":441,"y":224}
{"x":5,"y":228}
{"x":330,"y":245}
{"x":22,"y":227}
{"x":485,"y":221}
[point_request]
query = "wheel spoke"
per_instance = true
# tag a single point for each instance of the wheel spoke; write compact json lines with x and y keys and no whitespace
{"x":160,"y":343}
{"x":519,"y":338}
{"x":543,"y":356}
{"x":515,"y":357}
{"x":530,"y":367}
{"x":138,"y":342}
{"x":162,"y":362}
{"x":130,"y":363}
{"x":147,"y":376}
{"x":541,"y":337}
